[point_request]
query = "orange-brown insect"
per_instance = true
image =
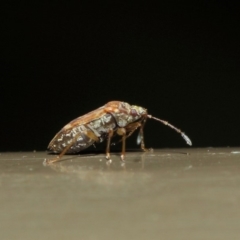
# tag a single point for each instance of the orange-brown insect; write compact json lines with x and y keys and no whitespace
{"x":103,"y":123}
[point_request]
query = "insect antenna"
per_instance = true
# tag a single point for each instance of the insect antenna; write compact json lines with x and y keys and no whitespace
{"x":185,"y":137}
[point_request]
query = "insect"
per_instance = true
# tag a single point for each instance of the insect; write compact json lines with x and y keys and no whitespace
{"x":114,"y":118}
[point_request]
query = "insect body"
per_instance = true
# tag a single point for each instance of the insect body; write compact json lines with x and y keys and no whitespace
{"x":114,"y":118}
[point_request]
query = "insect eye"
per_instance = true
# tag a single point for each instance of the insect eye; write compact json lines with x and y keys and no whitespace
{"x":134,"y":112}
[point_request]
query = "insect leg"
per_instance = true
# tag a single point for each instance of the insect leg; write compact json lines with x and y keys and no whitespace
{"x":130,"y":129}
{"x":122,"y":132}
{"x":127,"y":136}
{"x":91,"y":135}
{"x":64,"y":150}
{"x":142,"y":138}
{"x":88,"y":133}
{"x":110,"y":134}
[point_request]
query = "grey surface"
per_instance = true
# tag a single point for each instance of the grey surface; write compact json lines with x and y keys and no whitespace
{"x":165,"y":194}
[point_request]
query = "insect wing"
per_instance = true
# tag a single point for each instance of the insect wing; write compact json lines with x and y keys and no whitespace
{"x":67,"y":129}
{"x":85,"y":119}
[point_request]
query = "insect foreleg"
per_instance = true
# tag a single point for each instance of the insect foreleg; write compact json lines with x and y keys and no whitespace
{"x":142,"y":139}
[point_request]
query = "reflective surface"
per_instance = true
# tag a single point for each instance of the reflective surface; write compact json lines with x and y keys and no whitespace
{"x":164,"y":194}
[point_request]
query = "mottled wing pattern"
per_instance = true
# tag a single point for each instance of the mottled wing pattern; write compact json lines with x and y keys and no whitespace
{"x":78,"y":130}
{"x":84,"y":131}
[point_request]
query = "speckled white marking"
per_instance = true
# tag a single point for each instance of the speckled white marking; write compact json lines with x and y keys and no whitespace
{"x":60,"y":139}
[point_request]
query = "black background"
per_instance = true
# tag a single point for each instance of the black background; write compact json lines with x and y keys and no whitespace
{"x":180,"y":61}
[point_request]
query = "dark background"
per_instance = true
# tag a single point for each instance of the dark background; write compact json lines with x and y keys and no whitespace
{"x":180,"y":61}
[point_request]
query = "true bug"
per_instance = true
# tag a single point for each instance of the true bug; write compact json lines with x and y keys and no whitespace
{"x":113,"y":118}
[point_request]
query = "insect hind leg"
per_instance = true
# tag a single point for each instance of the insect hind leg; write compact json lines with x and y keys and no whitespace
{"x":56,"y":159}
